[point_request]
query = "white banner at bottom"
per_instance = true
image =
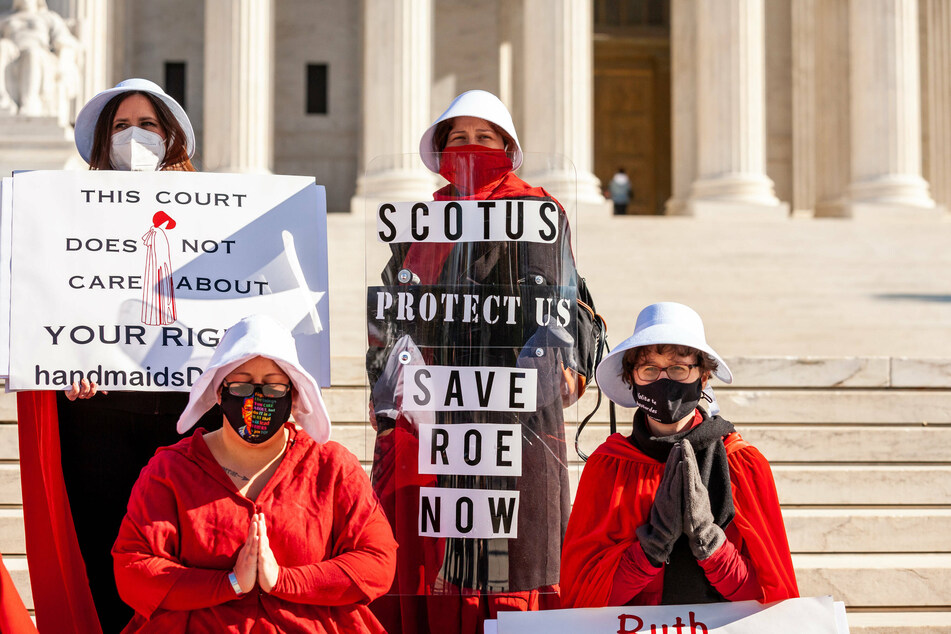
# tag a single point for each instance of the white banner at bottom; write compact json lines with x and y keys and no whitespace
{"x":813,"y":615}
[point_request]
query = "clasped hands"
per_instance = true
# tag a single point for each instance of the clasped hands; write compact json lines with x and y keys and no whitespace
{"x":255,"y":559}
{"x":681,"y":507}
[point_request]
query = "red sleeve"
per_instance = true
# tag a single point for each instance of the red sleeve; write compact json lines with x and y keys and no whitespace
{"x":632,"y":575}
{"x":320,"y":584}
{"x":614,"y":497}
{"x":730,"y":572}
{"x":760,"y":523}
{"x":364,"y":551}
{"x":148,"y":573}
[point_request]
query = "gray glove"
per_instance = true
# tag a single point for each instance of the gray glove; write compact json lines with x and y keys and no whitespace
{"x":666,"y":519}
{"x":704,"y":535}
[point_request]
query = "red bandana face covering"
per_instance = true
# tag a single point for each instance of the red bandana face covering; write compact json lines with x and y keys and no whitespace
{"x":472,"y":167}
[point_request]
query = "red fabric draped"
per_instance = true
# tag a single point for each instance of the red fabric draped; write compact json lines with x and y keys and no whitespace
{"x":615,"y":496}
{"x":14,"y":619}
{"x":61,"y":596}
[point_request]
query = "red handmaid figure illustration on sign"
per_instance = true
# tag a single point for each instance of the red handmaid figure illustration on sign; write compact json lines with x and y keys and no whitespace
{"x":158,"y":291}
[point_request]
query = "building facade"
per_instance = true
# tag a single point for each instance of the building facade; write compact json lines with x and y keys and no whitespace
{"x":825,"y":107}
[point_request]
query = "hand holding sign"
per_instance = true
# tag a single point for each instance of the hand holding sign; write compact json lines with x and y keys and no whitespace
{"x":82,"y":390}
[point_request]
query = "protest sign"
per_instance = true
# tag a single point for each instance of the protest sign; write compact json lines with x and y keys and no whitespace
{"x":6,"y":206}
{"x":468,"y":221}
{"x":130,"y":279}
{"x":815,"y":615}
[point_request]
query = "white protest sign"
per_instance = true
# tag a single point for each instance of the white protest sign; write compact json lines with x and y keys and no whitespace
{"x":815,"y":615}
{"x":6,"y":209}
{"x":441,"y":388}
{"x":130,"y":279}
{"x":472,"y":513}
{"x":468,"y":221}
{"x":470,"y":449}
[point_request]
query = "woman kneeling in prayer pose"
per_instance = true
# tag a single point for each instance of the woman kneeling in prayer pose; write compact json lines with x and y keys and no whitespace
{"x":683,"y":510}
{"x":260,"y":525}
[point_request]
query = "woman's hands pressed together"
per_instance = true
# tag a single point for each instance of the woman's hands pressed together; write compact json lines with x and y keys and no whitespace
{"x":657,"y":537}
{"x":704,"y":535}
{"x":267,"y":565}
{"x":256,"y":561}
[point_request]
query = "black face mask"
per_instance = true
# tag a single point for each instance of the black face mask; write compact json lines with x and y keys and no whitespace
{"x":256,"y":418}
{"x":667,"y":401}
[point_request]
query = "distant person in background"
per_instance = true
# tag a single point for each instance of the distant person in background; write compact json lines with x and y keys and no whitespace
{"x":620,"y":191}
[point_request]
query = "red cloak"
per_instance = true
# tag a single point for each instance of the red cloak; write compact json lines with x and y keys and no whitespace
{"x":614,"y":497}
{"x":61,"y":596}
{"x":186,"y":522}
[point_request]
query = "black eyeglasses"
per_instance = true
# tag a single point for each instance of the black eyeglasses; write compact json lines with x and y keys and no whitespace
{"x":650,"y":373}
{"x":270,"y":390}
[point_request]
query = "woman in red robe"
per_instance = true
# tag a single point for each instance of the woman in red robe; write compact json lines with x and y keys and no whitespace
{"x":260,"y":525}
{"x":683,"y":510}
{"x":75,"y":486}
{"x":451,"y":585}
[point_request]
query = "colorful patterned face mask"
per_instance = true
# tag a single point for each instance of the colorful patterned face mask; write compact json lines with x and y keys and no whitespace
{"x":256,"y":418}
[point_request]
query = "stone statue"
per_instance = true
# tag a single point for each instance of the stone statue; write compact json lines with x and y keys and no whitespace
{"x":39,"y":74}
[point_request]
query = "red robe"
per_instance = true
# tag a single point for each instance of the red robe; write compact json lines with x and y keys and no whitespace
{"x":186,"y":522}
{"x":615,"y":496}
{"x":61,"y":596}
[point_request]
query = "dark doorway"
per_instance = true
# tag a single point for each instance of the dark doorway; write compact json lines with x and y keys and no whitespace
{"x":632,"y":98}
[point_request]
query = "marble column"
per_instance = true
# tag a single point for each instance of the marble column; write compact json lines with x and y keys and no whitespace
{"x":832,"y":103}
{"x":803,"y":104}
{"x":238,"y":91}
{"x":558,"y":96}
{"x":937,"y":98}
{"x":731,"y":121}
{"x":397,"y":83}
{"x":683,"y":124}
{"x":885,"y":110}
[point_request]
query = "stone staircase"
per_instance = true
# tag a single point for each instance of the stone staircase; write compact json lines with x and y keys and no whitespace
{"x":860,"y":450}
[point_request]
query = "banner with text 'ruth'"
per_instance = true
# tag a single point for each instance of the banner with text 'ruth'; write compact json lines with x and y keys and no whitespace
{"x":130,"y":279}
{"x":812,"y":615}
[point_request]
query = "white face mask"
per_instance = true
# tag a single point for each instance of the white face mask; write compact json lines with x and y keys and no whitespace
{"x":136,"y":150}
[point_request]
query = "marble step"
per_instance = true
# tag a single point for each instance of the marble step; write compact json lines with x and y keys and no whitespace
{"x":778,"y":371}
{"x":765,"y":406}
{"x":899,"y":622}
{"x":868,"y":530}
{"x":820,"y":443}
{"x":863,"y":485}
{"x":20,"y":574}
{"x":853,"y":485}
{"x":891,"y":406}
{"x":863,"y":581}
{"x":779,"y":443}
{"x":12,"y":540}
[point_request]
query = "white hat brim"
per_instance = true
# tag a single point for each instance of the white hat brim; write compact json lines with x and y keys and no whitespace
{"x":89,"y":115}
{"x":473,"y":103}
{"x":259,"y":336}
{"x":609,"y":370}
